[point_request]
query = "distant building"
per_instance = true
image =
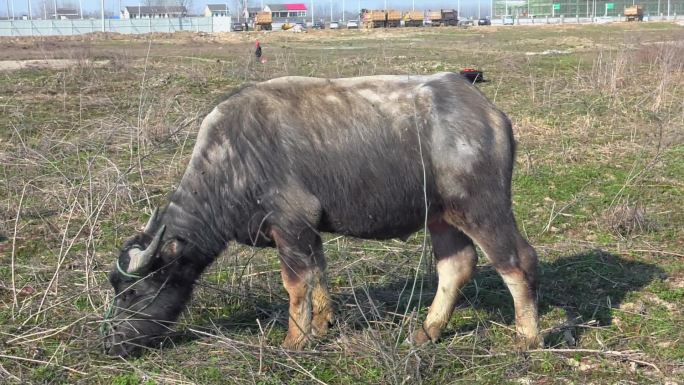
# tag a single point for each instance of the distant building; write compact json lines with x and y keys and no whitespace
{"x":280,"y":13}
{"x":153,"y":12}
{"x":65,"y":14}
{"x":287,"y":11}
{"x":251,"y":12}
{"x":216,"y":10}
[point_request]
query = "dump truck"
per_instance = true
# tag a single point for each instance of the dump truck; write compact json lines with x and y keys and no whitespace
{"x":393,"y":18}
{"x":373,"y":18}
{"x":413,"y":18}
{"x":634,"y":13}
{"x":435,"y":18}
{"x":262,"y":21}
{"x":449,"y":17}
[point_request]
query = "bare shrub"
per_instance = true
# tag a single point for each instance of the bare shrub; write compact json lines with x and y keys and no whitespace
{"x":627,"y":219}
{"x":609,"y":71}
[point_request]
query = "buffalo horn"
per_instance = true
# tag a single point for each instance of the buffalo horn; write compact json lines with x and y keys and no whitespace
{"x":141,"y":258}
{"x":152,"y":220}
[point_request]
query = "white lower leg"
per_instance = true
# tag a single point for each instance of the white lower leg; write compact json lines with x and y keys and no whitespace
{"x":526,"y":319}
{"x":453,"y":273}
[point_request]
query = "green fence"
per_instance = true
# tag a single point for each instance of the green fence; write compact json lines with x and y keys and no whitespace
{"x":584,"y":8}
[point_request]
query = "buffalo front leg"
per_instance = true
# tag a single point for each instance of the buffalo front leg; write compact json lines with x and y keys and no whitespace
{"x":303,"y":271}
{"x":456,"y":260}
{"x":320,"y":295}
{"x":299,"y":286}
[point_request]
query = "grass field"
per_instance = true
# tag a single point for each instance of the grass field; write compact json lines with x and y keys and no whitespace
{"x":88,"y":147}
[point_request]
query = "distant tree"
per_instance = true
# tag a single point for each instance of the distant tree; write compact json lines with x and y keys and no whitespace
{"x":184,"y":3}
{"x":44,"y":9}
{"x":68,"y":4}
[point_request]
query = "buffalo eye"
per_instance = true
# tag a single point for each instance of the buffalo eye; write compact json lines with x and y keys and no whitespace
{"x":127,"y":294}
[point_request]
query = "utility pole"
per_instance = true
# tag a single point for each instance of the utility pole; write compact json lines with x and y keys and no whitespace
{"x":80,"y":8}
{"x":54,"y":5}
{"x":331,"y":11}
{"x":668,"y":9}
{"x":102,"y":14}
{"x":343,"y":11}
{"x":312,"y":13}
{"x":29,"y":5}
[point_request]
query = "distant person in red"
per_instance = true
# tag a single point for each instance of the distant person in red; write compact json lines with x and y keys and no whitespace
{"x":257,"y":52}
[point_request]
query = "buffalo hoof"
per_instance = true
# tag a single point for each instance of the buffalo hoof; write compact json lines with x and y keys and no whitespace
{"x":321,"y":324}
{"x":422,"y":336}
{"x":525,"y":343}
{"x":294,"y":343}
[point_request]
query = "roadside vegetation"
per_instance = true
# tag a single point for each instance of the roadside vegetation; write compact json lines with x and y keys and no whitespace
{"x":87,"y":149}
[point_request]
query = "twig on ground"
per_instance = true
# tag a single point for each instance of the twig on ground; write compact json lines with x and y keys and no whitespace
{"x":41,"y":362}
{"x":627,"y":355}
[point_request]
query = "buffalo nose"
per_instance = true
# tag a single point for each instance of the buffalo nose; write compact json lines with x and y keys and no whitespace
{"x":114,"y":346}
{"x":121,"y":349}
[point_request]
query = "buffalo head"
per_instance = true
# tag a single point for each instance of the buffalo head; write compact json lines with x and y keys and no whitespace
{"x":149,"y":294}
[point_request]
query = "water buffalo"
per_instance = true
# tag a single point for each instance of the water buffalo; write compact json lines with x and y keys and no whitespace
{"x":378,"y":157}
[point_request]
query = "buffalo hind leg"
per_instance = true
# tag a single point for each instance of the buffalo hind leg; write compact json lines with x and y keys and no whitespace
{"x":456,"y":260}
{"x":515,"y":260}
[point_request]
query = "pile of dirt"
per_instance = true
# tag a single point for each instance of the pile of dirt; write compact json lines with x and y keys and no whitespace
{"x":53,"y":64}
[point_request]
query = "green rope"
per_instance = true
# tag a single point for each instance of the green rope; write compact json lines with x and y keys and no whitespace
{"x":126,"y":274}
{"x":105,"y":327}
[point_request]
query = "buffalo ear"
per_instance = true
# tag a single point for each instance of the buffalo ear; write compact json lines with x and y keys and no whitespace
{"x":174,"y":247}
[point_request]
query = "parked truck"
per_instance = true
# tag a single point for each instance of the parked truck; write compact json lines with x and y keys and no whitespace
{"x":634,"y":13}
{"x":413,"y":18}
{"x":435,"y":18}
{"x":393,"y":18}
{"x":263,"y":21}
{"x":373,"y":18}
{"x":449,"y":17}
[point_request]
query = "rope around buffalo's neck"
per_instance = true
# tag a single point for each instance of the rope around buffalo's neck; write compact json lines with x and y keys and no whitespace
{"x":104,"y":327}
{"x":125,"y":273}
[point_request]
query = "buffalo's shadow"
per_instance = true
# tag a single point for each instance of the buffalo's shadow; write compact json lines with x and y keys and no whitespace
{"x":586,"y":286}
